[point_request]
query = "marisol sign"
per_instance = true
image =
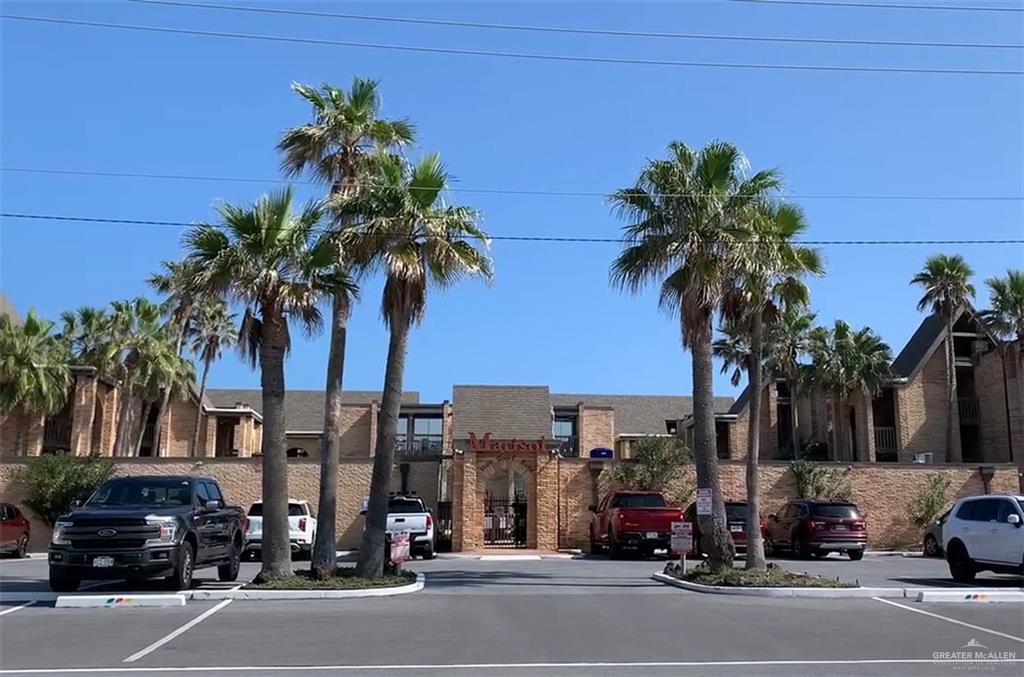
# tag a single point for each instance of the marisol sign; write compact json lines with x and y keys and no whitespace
{"x":487,"y":444}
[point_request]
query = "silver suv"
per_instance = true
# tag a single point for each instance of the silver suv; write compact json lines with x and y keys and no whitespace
{"x":983,"y":533}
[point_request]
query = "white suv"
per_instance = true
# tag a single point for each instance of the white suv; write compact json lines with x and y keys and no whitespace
{"x":984,"y":533}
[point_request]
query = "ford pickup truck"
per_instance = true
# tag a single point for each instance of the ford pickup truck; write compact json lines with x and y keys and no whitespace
{"x":144,"y":527}
{"x":638,"y":521}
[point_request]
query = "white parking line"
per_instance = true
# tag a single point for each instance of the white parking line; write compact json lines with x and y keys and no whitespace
{"x":949,"y":620}
{"x":15,"y":608}
{"x":516,"y":668}
{"x":183,"y":629}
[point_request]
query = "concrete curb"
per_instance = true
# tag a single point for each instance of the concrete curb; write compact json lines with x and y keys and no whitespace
{"x":309,"y":594}
{"x":970,"y":596}
{"x":512,"y":558}
{"x":118,"y":601}
{"x":817,"y":593}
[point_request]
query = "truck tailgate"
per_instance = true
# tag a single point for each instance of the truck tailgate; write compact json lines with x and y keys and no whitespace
{"x":648,"y":519}
{"x":416,"y":522}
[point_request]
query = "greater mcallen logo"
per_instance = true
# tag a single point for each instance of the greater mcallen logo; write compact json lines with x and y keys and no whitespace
{"x":974,"y":651}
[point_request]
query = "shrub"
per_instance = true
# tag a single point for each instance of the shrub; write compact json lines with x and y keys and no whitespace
{"x":656,"y":464}
{"x":818,"y":483}
{"x":51,"y":483}
{"x":929,"y":501}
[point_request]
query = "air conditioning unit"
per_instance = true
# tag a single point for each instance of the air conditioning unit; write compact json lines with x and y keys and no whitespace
{"x":925,"y":457}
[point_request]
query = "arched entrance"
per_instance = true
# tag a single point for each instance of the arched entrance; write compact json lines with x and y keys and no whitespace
{"x":506,"y":492}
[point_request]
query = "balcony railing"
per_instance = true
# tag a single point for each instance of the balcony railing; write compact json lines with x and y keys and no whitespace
{"x":568,"y":447}
{"x":885,"y":439}
{"x":970,"y":410}
{"x":57,"y":433}
{"x":418,"y":446}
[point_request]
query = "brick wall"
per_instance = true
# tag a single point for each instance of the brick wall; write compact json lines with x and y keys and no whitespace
{"x":423,"y":477}
{"x":83,"y":410}
{"x":181,"y":422}
{"x":922,"y":411}
{"x":356,"y":431}
{"x":13,"y":433}
{"x":596,"y":428}
{"x":241,"y":482}
{"x":882,"y":493}
{"x":988,"y":385}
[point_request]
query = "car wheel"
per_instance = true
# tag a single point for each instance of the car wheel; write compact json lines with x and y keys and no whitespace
{"x":22,"y":550}
{"x":428,"y":551}
{"x":595,"y":547}
{"x":181,"y":579}
{"x":802,"y":548}
{"x":855,"y":555}
{"x":614,"y":549}
{"x":961,"y":568}
{"x":62,"y":584}
{"x":229,"y":570}
{"x":931,"y":546}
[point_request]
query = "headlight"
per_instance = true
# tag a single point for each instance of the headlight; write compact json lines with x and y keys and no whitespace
{"x":58,"y":533}
{"x":168,"y":529}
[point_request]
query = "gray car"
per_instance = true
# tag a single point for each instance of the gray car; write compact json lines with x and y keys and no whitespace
{"x":933,"y":536}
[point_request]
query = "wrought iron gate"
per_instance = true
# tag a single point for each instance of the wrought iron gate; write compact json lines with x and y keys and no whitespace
{"x":505,"y":522}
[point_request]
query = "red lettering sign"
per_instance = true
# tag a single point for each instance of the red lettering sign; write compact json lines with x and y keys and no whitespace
{"x":487,"y":444}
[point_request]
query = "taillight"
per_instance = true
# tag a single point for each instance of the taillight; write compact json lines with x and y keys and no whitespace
{"x":858,"y":525}
{"x":817,"y":526}
{"x":302,"y":524}
{"x":430,"y":520}
{"x":245,"y":523}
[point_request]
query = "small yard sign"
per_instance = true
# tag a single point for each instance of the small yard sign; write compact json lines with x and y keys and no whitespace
{"x":704,"y":501}
{"x":399,"y":547}
{"x":682,"y":538}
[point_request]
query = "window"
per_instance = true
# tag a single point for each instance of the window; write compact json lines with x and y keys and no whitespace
{"x":406,"y":505}
{"x":563,"y":427}
{"x":294,"y":510}
{"x":735,"y":512}
{"x":639,"y":501}
{"x":840,"y":510}
{"x":986,"y":510}
{"x":671,"y":426}
{"x":143,"y":491}
{"x":202,"y":496}
{"x":426,"y":426}
{"x":5,"y":513}
{"x":966,"y":510}
{"x":1006,"y":508}
{"x":213,"y":492}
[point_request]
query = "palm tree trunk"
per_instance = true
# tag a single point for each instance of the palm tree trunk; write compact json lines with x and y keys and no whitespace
{"x":837,"y":427}
{"x":1020,"y":403}
{"x":952,"y":455}
{"x":199,"y":408}
{"x":276,"y":548}
{"x":324,"y":559}
{"x":794,"y":419}
{"x":371,"y":553}
{"x":755,"y":547}
{"x":147,"y":407}
{"x":715,"y":537}
{"x":123,"y":422}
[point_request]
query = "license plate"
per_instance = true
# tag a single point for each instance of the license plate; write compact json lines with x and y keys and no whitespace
{"x":735,"y":528}
{"x":652,"y":534}
{"x":103,"y":562}
{"x":839,"y":527}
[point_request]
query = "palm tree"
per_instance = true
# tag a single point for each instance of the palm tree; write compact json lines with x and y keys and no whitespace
{"x":162,"y":374}
{"x":946,"y":281}
{"x":419,"y":241}
{"x":265,"y":256}
{"x":788,"y":341}
{"x":34,"y":366}
{"x":848,"y":362}
{"x":339,"y":146}
{"x":213,"y":331}
{"x":89,"y":332}
{"x":768,"y":278}
{"x":1005,"y":319}
{"x":684,"y":221}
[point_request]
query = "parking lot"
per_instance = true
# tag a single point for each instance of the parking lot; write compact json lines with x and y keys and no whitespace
{"x":583,"y":616}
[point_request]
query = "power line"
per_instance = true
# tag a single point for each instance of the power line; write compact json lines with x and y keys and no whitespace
{"x":875,"y":5}
{"x":499,"y":191}
{"x":517,"y":55}
{"x":574,"y":30}
{"x":521,"y":238}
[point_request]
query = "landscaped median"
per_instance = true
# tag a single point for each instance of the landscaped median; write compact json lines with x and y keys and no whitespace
{"x":343,"y":585}
{"x":775,"y":582}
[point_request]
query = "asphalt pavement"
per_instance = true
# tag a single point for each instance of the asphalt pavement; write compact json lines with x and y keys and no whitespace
{"x":553,"y":617}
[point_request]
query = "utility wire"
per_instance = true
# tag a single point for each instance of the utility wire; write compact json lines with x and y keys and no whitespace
{"x":875,"y":5}
{"x":517,"y":55}
{"x":577,"y":30}
{"x":501,"y":191}
{"x":522,"y":238}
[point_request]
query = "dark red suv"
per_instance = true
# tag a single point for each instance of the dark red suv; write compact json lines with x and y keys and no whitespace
{"x":814,"y":529}
{"x":735,"y":518}
{"x":14,"y":531}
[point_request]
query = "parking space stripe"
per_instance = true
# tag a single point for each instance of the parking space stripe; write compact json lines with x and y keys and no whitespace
{"x":16,"y":608}
{"x":183,"y":629}
{"x":949,"y":620}
{"x":487,"y":666}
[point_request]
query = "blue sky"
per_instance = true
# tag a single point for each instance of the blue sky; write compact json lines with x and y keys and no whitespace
{"x":110,"y":100}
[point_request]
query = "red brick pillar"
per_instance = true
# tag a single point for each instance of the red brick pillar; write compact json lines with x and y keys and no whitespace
{"x":83,"y":411}
{"x":546,"y":501}
{"x":33,"y":440}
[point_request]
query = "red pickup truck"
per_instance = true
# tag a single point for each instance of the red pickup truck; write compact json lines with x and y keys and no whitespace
{"x":639,"y":521}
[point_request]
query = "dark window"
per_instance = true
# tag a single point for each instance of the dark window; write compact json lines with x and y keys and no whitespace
{"x":143,"y":491}
{"x":1006,"y":508}
{"x":671,"y":426}
{"x":801,"y":510}
{"x":5,"y":513}
{"x":201,"y":494}
{"x":735,"y":512}
{"x":841,"y":510}
{"x":294,"y":510}
{"x":986,"y":510}
{"x":1020,"y":503}
{"x":297,"y":452}
{"x":406,"y":505}
{"x":214,"y":492}
{"x":639,"y":501}
{"x":965,"y":511}
{"x":13,"y":512}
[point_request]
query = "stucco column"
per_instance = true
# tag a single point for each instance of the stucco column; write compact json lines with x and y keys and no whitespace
{"x":210,"y":447}
{"x":83,"y":411}
{"x":546,"y":501}
{"x":110,"y":399}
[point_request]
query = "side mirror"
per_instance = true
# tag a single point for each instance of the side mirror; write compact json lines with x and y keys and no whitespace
{"x":592,"y":508}
{"x":211,"y":505}
{"x":1014,"y":520}
{"x":77,"y":503}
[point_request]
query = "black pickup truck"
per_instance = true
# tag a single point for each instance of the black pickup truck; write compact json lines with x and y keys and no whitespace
{"x":143,"y":527}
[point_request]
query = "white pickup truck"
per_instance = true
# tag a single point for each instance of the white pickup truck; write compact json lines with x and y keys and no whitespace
{"x":410,"y":513}
{"x":301,"y":528}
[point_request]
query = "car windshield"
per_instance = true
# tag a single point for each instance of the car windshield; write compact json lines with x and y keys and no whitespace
{"x":841,"y":510}
{"x":141,"y":491}
{"x":1020,"y":502}
{"x":639,"y":501}
{"x":294,"y":510}
{"x":400,"y":505}
{"x":735,"y":512}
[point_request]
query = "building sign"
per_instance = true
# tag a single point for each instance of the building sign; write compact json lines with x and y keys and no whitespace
{"x":704,"y":501}
{"x":486,"y":444}
{"x":682,"y":538}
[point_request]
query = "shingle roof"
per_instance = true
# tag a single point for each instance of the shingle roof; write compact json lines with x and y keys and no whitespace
{"x":917,"y":348}
{"x":639,"y":414}
{"x":507,"y":412}
{"x":7,"y":308}
{"x":303,"y":409}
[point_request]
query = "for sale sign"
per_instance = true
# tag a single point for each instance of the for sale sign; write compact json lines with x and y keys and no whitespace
{"x":682,"y":538}
{"x":399,"y":547}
